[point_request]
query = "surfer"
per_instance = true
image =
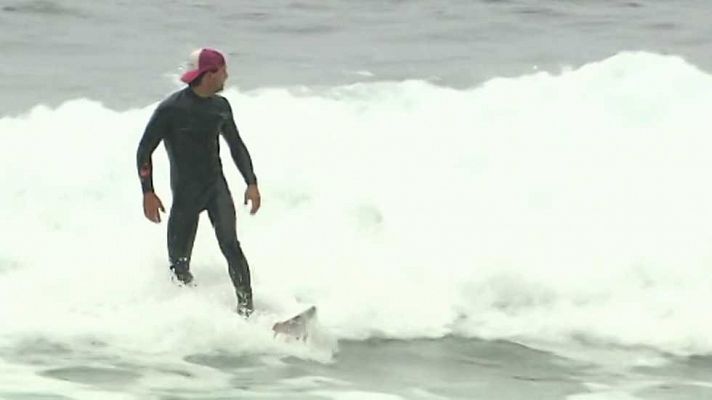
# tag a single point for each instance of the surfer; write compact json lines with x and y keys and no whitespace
{"x":189,"y":123}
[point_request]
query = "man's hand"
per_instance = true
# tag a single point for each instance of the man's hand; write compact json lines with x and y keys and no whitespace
{"x":253,"y":195}
{"x":151,"y":205}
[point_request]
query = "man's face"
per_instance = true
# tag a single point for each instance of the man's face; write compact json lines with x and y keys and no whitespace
{"x":218,"y":79}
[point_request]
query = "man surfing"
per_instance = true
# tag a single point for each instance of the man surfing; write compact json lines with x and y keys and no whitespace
{"x":189,"y":122}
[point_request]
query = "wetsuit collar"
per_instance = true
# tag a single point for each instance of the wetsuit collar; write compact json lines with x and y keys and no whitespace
{"x":195,"y":95}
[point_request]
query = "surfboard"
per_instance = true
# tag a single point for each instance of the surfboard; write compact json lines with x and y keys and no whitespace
{"x":296,"y":327}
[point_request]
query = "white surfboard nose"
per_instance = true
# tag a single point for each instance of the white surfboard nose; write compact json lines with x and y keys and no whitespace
{"x":296,"y":327}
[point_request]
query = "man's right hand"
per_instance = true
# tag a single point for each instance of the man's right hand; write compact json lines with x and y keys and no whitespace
{"x":151,"y":206}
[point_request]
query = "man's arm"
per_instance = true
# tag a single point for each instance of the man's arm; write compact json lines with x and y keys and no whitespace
{"x":242,"y":159}
{"x":152,"y":136}
{"x":238,"y":150}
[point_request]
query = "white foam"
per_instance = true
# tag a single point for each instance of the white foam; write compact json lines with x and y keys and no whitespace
{"x":354,"y":395}
{"x":543,"y":207}
{"x":612,"y":395}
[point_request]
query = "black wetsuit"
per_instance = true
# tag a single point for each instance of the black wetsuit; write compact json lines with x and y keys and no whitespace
{"x":189,"y":126}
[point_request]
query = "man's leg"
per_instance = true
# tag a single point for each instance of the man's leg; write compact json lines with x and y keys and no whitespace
{"x":221,"y":211}
{"x":182,"y":226}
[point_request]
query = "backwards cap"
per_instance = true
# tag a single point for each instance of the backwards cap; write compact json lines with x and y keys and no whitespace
{"x":201,"y":61}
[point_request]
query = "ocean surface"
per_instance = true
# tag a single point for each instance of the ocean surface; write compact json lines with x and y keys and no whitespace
{"x":484,"y":199}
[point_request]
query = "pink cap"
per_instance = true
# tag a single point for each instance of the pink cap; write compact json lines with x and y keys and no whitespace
{"x":200,"y":61}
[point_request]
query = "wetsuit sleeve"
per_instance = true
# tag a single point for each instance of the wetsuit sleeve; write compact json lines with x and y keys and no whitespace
{"x":237,"y":148}
{"x":152,"y":136}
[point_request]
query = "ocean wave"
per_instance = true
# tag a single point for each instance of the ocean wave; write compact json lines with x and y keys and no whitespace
{"x":547,"y":207}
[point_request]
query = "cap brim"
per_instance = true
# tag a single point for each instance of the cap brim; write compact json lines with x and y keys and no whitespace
{"x":190,"y":76}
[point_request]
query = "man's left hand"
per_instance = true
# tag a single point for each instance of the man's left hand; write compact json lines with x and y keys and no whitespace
{"x":253,"y":195}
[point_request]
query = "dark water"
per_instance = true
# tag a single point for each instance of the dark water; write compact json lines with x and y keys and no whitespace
{"x":124,"y":53}
{"x":447,"y":368}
